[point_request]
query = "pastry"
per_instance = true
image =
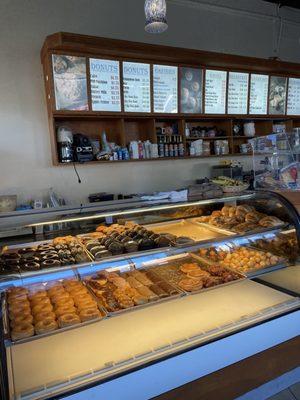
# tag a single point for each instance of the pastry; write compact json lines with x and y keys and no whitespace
{"x":68,"y":320}
{"x":45,"y":325}
{"x":116,"y":248}
{"x":158,"y":291}
{"x":22,"y":331}
{"x":146,"y":292}
{"x":166,"y":287}
{"x":89,"y":314}
{"x":188,"y":267}
{"x":102,"y":254}
{"x":190,"y":284}
{"x":131,"y":246}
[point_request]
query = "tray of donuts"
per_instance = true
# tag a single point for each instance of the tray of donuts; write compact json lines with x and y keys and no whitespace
{"x":30,"y":257}
{"x":247,"y":260}
{"x":47,"y":308}
{"x":124,"y":291}
{"x":191,"y":274}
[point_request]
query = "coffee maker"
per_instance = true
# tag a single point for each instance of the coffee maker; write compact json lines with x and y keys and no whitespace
{"x":83,"y":150}
{"x":65,"y":144}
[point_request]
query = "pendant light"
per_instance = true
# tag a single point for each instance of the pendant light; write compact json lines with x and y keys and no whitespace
{"x":156,"y":11}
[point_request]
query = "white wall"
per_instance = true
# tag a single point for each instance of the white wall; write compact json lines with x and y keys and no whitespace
{"x":25,"y":162}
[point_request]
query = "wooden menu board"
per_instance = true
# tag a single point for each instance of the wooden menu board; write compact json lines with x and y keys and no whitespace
{"x":136,"y":87}
{"x":237,"y":93}
{"x":258,"y":103}
{"x":215,"y":91}
{"x":105,"y":85}
{"x":165,"y":82}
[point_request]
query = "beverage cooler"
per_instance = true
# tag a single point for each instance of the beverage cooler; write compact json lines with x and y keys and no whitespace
{"x":131,"y":299}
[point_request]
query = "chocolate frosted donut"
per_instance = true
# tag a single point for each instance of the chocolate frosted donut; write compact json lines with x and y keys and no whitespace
{"x":29,"y":260}
{"x":102,"y":254}
{"x":116,"y":248}
{"x":31,"y":266}
{"x":11,"y":256}
{"x":50,"y":263}
{"x":131,"y":246}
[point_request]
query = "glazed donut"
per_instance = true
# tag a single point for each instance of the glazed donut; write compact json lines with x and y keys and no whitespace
{"x":45,"y":325}
{"x":16,"y":291}
{"x":37,"y":294}
{"x":44,"y":315}
{"x":37,"y":301}
{"x":65,"y":310}
{"x":16,"y":303}
{"x":14,"y":298}
{"x":68,"y":320}
{"x":88,"y":314}
{"x":60,"y":297}
{"x":56,"y":290}
{"x":22,"y":331}
{"x":41,"y":308}
{"x":17,"y":310}
{"x":64,"y":302}
{"x":50,"y":263}
{"x":77,"y":292}
{"x":35,"y":298}
{"x":21,"y":319}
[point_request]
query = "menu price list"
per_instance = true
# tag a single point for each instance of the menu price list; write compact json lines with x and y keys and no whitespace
{"x":136,"y":87}
{"x":105,"y":85}
{"x":258,"y":94}
{"x":215,"y":91}
{"x":165,"y":88}
{"x":293,"y":104}
{"x":238,"y":93}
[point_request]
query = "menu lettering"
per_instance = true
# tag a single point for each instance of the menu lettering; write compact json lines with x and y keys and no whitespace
{"x":258,"y":94}
{"x":215,"y":91}
{"x":136,"y":87}
{"x":105,"y":85}
{"x":237,"y":93}
{"x":165,"y":81}
{"x":293,"y":103}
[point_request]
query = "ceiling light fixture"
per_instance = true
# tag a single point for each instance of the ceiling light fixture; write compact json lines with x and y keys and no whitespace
{"x":156,"y":11}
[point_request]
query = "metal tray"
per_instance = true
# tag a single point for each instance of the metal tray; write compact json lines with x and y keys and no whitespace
{"x":189,"y":228}
{"x":190,"y":257}
{"x":7,"y":330}
{"x":57,"y":268}
{"x":180,"y":293}
{"x":250,"y":273}
{"x":215,"y":229}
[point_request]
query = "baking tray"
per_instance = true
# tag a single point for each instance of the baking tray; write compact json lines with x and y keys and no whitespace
{"x":250,"y":273}
{"x":229,"y":232}
{"x":190,"y":257}
{"x":7,"y":330}
{"x":55,"y":268}
{"x":180,"y":293}
{"x":189,"y":228}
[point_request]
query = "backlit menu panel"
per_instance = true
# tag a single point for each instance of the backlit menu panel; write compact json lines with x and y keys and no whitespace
{"x":293,"y":102}
{"x":277,"y":95}
{"x":165,"y":82}
{"x":215,"y":91}
{"x":237,"y":93}
{"x":136,"y":87}
{"x":105,"y":85}
{"x":258,"y":94}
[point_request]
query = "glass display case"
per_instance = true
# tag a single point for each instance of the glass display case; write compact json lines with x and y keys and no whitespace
{"x":95,"y":292}
{"x":280,"y":169}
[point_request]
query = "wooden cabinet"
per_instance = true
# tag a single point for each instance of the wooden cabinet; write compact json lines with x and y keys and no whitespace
{"x":123,"y":127}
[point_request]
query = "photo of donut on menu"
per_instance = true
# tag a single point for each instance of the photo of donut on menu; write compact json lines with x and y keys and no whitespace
{"x":277,"y":94}
{"x":191,"y":90}
{"x":70,"y":83}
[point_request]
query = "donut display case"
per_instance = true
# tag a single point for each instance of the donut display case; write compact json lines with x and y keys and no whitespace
{"x":98,"y":296}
